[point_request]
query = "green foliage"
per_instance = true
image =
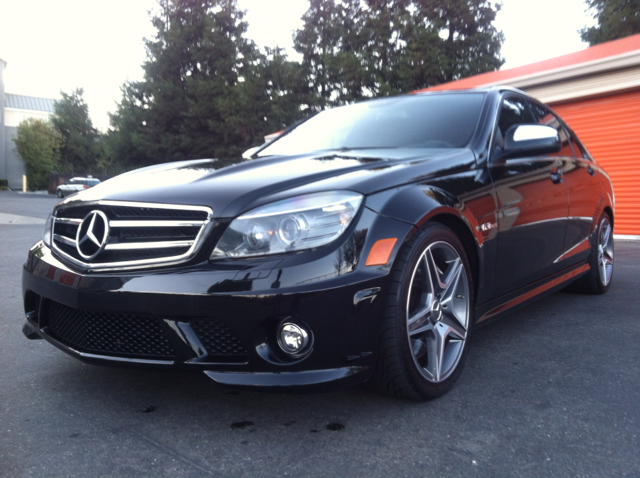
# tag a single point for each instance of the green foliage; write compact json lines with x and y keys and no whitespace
{"x":38,"y":143}
{"x":80,"y":142}
{"x":207,"y":91}
{"x":353,"y":49}
{"x":616,"y":19}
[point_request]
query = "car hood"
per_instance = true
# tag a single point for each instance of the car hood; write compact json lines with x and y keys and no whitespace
{"x":231,"y":187}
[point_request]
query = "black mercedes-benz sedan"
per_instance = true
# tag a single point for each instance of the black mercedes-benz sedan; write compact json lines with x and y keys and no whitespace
{"x":363,"y":244}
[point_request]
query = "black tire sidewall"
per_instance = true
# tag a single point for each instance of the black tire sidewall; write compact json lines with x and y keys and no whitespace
{"x":428,"y":235}
{"x":601,"y":288}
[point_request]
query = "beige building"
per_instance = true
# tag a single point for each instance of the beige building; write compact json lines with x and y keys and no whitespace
{"x":13,"y":110}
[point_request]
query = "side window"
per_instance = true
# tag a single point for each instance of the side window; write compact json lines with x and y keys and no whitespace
{"x":578,"y":148}
{"x":546,"y":117}
{"x":514,"y":111}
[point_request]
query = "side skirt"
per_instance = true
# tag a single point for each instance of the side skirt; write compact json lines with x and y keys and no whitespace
{"x":509,"y":302}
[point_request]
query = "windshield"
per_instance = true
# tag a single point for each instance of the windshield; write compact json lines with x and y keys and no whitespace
{"x":418,"y":121}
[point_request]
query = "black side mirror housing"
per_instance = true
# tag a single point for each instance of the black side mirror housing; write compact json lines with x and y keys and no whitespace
{"x":530,"y":140}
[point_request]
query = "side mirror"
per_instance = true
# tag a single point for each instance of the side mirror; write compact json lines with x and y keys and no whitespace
{"x":249,"y":152}
{"x":530,"y":140}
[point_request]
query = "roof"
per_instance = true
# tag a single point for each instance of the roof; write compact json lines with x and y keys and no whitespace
{"x":595,"y":54}
{"x":28,"y":103}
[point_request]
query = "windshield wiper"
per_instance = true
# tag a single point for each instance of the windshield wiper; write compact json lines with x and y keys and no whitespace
{"x":346,"y":148}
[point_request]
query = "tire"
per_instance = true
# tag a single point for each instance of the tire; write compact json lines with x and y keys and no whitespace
{"x":598,"y":279}
{"x":60,"y":195}
{"x":425,"y":334}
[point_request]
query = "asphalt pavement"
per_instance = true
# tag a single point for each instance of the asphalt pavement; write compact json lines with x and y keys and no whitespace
{"x":552,"y":390}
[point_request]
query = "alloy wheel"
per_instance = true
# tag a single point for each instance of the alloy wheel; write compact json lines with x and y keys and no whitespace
{"x":437,"y":311}
{"x":605,"y":251}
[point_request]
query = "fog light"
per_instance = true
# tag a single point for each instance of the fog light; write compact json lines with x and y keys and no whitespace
{"x":293,"y":339}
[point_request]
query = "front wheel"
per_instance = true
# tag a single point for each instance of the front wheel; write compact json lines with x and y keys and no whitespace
{"x":60,"y":195}
{"x":428,"y":319}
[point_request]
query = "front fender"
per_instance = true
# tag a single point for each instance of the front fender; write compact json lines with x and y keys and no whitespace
{"x":466,"y":204}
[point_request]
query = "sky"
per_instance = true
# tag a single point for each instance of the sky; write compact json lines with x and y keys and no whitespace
{"x":60,"y":45}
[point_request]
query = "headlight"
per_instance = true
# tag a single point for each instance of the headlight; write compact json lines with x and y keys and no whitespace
{"x":294,"y":224}
{"x":46,"y":234}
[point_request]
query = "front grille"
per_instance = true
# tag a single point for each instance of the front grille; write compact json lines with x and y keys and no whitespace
{"x":220,"y":343}
{"x":120,"y":335}
{"x":113,"y":235}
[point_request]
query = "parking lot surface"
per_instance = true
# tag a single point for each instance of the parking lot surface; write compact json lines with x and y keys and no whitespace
{"x":552,"y":390}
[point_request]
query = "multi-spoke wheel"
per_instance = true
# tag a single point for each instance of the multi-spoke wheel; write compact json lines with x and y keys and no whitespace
{"x":437,"y":311}
{"x":426,"y":331}
{"x":598,"y":279}
{"x":605,"y":251}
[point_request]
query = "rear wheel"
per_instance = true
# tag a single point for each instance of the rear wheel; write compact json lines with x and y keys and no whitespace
{"x":425,"y":334}
{"x":598,"y":279}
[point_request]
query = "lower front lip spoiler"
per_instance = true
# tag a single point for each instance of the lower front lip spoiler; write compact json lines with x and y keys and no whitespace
{"x":311,"y":378}
{"x":29,"y":332}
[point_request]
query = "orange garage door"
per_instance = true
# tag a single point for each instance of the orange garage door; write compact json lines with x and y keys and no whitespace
{"x":610,"y":129}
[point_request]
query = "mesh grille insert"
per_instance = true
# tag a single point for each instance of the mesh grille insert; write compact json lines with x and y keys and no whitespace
{"x":220,"y":343}
{"x":122,"y":335}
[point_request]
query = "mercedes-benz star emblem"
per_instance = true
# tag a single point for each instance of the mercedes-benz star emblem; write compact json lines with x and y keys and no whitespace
{"x":436,"y":311}
{"x":92,"y":235}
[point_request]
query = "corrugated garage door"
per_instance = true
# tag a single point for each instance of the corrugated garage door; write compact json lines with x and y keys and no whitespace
{"x":610,"y":129}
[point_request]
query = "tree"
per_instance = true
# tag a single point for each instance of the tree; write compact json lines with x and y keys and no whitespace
{"x":207,"y":91}
{"x":353,"y":49}
{"x":616,"y":19}
{"x":38,"y":143}
{"x":328,"y":43}
{"x":80,"y":141}
{"x":470,"y":43}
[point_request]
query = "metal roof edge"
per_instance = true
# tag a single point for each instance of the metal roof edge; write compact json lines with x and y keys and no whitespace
{"x":616,"y":62}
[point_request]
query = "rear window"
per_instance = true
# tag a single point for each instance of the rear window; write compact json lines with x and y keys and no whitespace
{"x":419,"y":121}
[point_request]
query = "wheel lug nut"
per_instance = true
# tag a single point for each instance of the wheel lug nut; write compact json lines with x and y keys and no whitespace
{"x":459,"y":296}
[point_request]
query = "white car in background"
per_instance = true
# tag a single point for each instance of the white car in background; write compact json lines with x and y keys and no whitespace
{"x":76,"y":184}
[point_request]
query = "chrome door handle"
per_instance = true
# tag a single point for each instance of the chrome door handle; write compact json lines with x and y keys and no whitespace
{"x":557,"y":177}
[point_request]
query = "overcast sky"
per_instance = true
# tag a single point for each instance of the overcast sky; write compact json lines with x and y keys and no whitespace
{"x":59,"y":45}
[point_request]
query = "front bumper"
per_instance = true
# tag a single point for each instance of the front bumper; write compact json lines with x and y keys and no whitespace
{"x":220,"y":318}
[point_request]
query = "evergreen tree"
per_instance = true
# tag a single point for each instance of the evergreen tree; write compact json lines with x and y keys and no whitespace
{"x":283,"y":83}
{"x":319,"y":43}
{"x":616,"y":19}
{"x":358,"y":48}
{"x":207,"y":91}
{"x":80,"y":142}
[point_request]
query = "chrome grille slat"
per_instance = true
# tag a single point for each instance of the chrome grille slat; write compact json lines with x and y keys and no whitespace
{"x":64,"y":240}
{"x":139,"y":235}
{"x":156,"y":223}
{"x":65,"y":220}
{"x":147,"y":245}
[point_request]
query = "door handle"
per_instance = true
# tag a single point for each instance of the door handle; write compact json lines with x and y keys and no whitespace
{"x":557,"y":177}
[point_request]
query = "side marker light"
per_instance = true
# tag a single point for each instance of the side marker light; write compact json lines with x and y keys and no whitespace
{"x":381,"y":251}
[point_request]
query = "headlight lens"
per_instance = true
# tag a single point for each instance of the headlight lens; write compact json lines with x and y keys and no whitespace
{"x":46,"y":234}
{"x":294,"y":224}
